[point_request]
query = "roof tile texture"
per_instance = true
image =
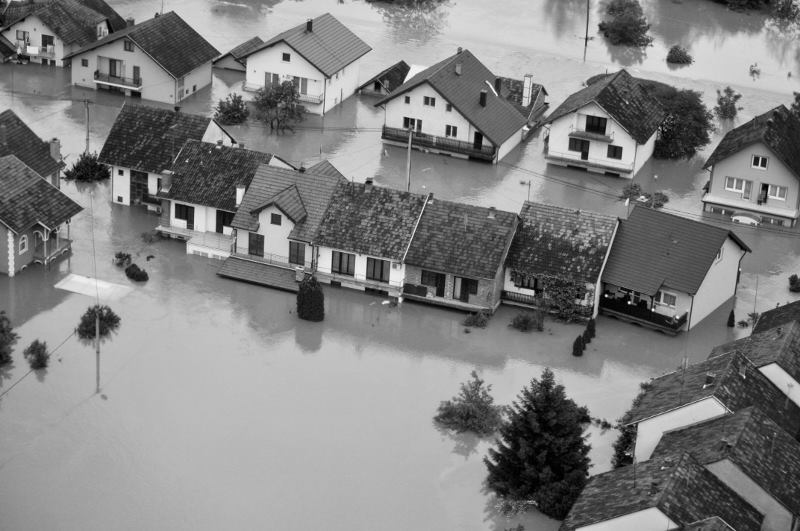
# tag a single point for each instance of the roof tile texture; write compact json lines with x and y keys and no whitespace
{"x":780,"y":345}
{"x":23,"y":143}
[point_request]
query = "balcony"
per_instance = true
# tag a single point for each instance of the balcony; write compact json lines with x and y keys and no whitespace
{"x":47,"y":251}
{"x":131,"y":83}
{"x":621,"y":309}
{"x":273,"y":259}
{"x":450,"y":145}
{"x":598,"y":136}
{"x":310,"y":98}
{"x":577,"y":158}
{"x":43,"y":52}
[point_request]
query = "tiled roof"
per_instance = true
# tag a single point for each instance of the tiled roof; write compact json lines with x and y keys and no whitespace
{"x":498,"y":120}
{"x":26,"y":198}
{"x":207,"y":174}
{"x":780,"y":345}
{"x":390,"y":78}
{"x":678,"y":486}
{"x":23,"y":143}
{"x":778,"y":128}
{"x":330,"y":46}
{"x":752,"y":442}
{"x":315,"y":187}
{"x":290,"y":203}
{"x":561,"y":242}
{"x":370,"y":220}
{"x":654,"y":249}
{"x":258,"y":273}
{"x":512,"y":90}
{"x":114,"y":19}
{"x":168,"y":39}
{"x":727,"y":385}
{"x":148,"y":139}
{"x":243,"y":49}
{"x":7,"y":49}
{"x":73,"y":21}
{"x":778,"y":316}
{"x":462,"y":239}
{"x":624,"y":99}
{"x":715,"y":523}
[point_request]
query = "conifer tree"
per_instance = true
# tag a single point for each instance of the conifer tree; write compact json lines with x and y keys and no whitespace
{"x":7,"y":338}
{"x":310,"y":300}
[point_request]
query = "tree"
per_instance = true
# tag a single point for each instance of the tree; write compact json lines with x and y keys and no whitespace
{"x":310,"y":300}
{"x":37,"y":355}
{"x":232,"y":110}
{"x":785,"y":11}
{"x":591,"y":326}
{"x":726,"y":108}
{"x":472,"y":409}
{"x":109,"y":322}
{"x":795,"y":108}
{"x":279,"y":106}
{"x":626,"y":24}
{"x":687,"y":125}
{"x":8,"y":338}
{"x":678,"y":55}
{"x":623,"y":446}
{"x":542,"y":454}
{"x":578,"y":346}
{"x":88,"y":168}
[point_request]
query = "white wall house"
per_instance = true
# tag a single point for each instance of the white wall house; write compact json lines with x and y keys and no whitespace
{"x":272,"y":241}
{"x":360,"y":271}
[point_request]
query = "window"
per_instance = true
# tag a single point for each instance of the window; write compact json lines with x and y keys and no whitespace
{"x":429,"y":278}
{"x":450,"y":131}
{"x":448,"y":107}
{"x":412,"y":123}
{"x":595,"y":124}
{"x":301,"y":83}
{"x":666,"y":299}
{"x":343,"y":263}
{"x":732,"y":184}
{"x":128,"y":45}
{"x":776,"y":192}
{"x":377,"y":270}
{"x":408,"y":99}
{"x":255,"y":244}
{"x":297,"y":253}
{"x":759,"y":162}
{"x":84,"y":62}
{"x":286,"y":57}
{"x":614,"y":152}
{"x":525,"y":281}
{"x":23,"y":36}
{"x":120,"y":172}
{"x":430,"y":102}
{"x":23,"y":244}
{"x":275,"y":219}
{"x":576,"y":144}
{"x":182,"y":211}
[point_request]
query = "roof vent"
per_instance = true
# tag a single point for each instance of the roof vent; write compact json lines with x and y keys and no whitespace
{"x":710,"y":377}
{"x":458,"y":69}
{"x":368,"y":185}
{"x":492,"y":212}
{"x":310,"y":25}
{"x":482,"y":99}
{"x":130,"y":21}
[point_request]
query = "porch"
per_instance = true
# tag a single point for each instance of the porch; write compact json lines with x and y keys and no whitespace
{"x":632,"y":313}
{"x":129,"y":83}
{"x":48,"y":250}
{"x":582,"y":159}
{"x":358,"y":281}
{"x":310,"y":98}
{"x":420,"y":293}
{"x":439,"y":143}
{"x":209,"y":244}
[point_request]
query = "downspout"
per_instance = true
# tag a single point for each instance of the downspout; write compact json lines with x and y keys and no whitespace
{"x":325,"y":95}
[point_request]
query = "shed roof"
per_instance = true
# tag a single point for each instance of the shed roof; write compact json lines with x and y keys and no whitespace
{"x":241,"y":51}
{"x":390,"y":78}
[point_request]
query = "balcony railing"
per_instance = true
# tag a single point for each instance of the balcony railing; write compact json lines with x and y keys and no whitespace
{"x":574,"y":132}
{"x":310,"y":98}
{"x":134,"y":83}
{"x":45,"y":52}
{"x":645,"y":316}
{"x":439,"y":142}
{"x":274,"y":259}
{"x":576,"y":158}
{"x":44,"y":254}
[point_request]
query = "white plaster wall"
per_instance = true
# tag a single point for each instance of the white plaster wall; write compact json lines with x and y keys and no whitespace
{"x":341,"y":85}
{"x":649,"y":431}
{"x":396,"y":276}
{"x":276,"y":237}
{"x":644,"y":152}
{"x":434,"y":119}
{"x":121,"y":185}
{"x":195,"y":80}
{"x":512,"y":142}
{"x":36,"y":28}
{"x":270,"y":60}
{"x":719,"y":285}
{"x":651,"y":519}
{"x":783,"y":381}
{"x":683,"y":303}
{"x":205,"y":218}
{"x":242,"y":241}
{"x":214,"y":132}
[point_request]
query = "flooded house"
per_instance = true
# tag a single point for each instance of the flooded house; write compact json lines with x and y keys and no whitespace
{"x":385,"y":81}
{"x":780,"y":315}
{"x":236,"y":58}
{"x":43,"y":157}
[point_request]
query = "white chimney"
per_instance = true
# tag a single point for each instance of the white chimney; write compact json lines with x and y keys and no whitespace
{"x":55,"y":149}
{"x":239,"y":194}
{"x":458,"y":69}
{"x":527,"y":86}
{"x":166,"y":180}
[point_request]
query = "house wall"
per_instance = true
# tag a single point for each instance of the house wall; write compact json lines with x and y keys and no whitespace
{"x":12,"y":260}
{"x":644,"y":152}
{"x":121,"y":184}
{"x":342,"y":85}
{"x":649,"y":431}
{"x":6,"y":250}
{"x":683,"y":301}
{"x":719,"y":285}
{"x":270,"y":60}
{"x":205,"y":217}
{"x":488,"y":296}
{"x":651,"y":519}
{"x":434,"y":119}
{"x":397,"y":275}
{"x":193,"y":81}
{"x":512,"y":142}
{"x":776,"y":516}
{"x":783,"y":381}
{"x":599,"y":283}
{"x":215,"y":132}
{"x":36,"y":28}
{"x":276,"y":237}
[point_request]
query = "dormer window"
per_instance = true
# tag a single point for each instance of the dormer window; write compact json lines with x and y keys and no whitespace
{"x":759,"y":162}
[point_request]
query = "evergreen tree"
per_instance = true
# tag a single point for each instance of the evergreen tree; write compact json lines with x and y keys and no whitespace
{"x":88,"y":168}
{"x":731,"y":320}
{"x":542,"y":454}
{"x":591,"y":326}
{"x":473,"y":409}
{"x":7,"y":338}
{"x":310,"y":300}
{"x":578,"y":346}
{"x":586,"y":337}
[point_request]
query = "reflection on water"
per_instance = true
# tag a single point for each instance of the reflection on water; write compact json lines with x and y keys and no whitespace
{"x":414,"y":21}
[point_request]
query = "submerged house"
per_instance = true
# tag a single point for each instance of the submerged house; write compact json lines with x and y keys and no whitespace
{"x":385,"y":81}
{"x":777,"y":316}
{"x":236,"y":59}
{"x":43,"y":157}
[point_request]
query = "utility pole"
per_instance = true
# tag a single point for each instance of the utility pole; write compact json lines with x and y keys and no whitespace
{"x":97,"y":343}
{"x":653,"y":195}
{"x":586,"y":37}
{"x":408,"y":161}
{"x":86,"y":105}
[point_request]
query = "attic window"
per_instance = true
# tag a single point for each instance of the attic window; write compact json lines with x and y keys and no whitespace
{"x":429,"y":101}
{"x":286,"y":57}
{"x":128,"y":45}
{"x":448,"y":107}
{"x":275,"y":219}
{"x":759,"y":162}
{"x":408,"y":99}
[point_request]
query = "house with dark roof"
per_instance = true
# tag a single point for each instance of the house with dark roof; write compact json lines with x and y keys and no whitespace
{"x":34,"y":217}
{"x":365,"y":236}
{"x":608,"y":127}
{"x":46,"y":31}
{"x":557,"y":246}
{"x":460,"y":108}
{"x":457,"y":256}
{"x":202,"y":191}
{"x":236,"y":58}
{"x":776,"y":353}
{"x":669,"y":273}
{"x":703,"y":391}
{"x":143,"y":143}
{"x":755,"y":169}
{"x":777,"y":316}
{"x":752,"y":455}
{"x":162,"y":59}
{"x":43,"y":157}
{"x":385,"y":81}
{"x":669,"y":492}
{"x":322,"y":57}
{"x":278,"y":222}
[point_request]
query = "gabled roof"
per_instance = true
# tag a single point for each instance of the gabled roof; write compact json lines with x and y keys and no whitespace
{"x":727,"y":385}
{"x":752,"y":442}
{"x":654,"y":249}
{"x":314,"y":186}
{"x":498,"y":120}
{"x":329,"y":46}
{"x":114,"y":19}
{"x":780,"y":345}
{"x":513,"y":89}
{"x":390,"y":78}
{"x":241,"y":51}
{"x":370,"y":220}
{"x":167,"y":39}
{"x":561,"y":242}
{"x":207,"y":174}
{"x":289,"y":202}
{"x":778,"y":316}
{"x":23,"y":143}
{"x":73,"y":21}
{"x":678,"y":486}
{"x":462,"y":239}
{"x":624,"y":99}
{"x":148,"y":138}
{"x":778,"y":128}
{"x":26,"y":198}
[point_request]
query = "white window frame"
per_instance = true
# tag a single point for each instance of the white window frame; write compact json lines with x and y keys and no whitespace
{"x":659,"y":299}
{"x":734,"y":188}
{"x":777,"y":189}
{"x":23,"y":244}
{"x":759,"y":159}
{"x":429,"y":101}
{"x":450,"y":131}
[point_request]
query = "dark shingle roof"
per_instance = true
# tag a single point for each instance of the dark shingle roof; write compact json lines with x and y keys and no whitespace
{"x":72,"y":21}
{"x":147,"y":138}
{"x":258,"y":273}
{"x":168,"y":39}
{"x":498,"y":120}
{"x":735,"y":392}
{"x":390,"y":78}
{"x":561,"y":242}
{"x":330,"y":46}
{"x":778,"y":128}
{"x":512,"y":90}
{"x":624,"y":99}
{"x":314,"y":189}
{"x":26,"y":198}
{"x":462,"y":239}
{"x":377,"y":222}
{"x":207,"y":174}
{"x":23,"y":143}
{"x":678,"y":486}
{"x":753,"y":442}
{"x":243,"y":49}
{"x":715,"y":523}
{"x":654,"y":249}
{"x":114,"y":19}
{"x":778,"y":316}
{"x":780,"y":345}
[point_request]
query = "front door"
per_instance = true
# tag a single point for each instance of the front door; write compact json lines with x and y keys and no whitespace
{"x":138,"y":186}
{"x":255,"y":244}
{"x":762,"y":197}
{"x":114,"y":68}
{"x":748,"y":189}
{"x":477,"y":140}
{"x":463,"y":287}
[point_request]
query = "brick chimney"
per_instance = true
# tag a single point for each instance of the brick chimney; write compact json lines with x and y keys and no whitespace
{"x":482,"y":99}
{"x":310,"y":25}
{"x":130,"y":21}
{"x":497,"y":84}
{"x":368,"y":185}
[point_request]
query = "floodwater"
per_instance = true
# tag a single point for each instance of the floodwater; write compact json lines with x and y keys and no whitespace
{"x":219,"y":408}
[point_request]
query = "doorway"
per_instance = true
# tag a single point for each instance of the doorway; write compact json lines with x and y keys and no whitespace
{"x":138,"y":186}
{"x":224,"y":219}
{"x":477,"y":141}
{"x":463,"y":288}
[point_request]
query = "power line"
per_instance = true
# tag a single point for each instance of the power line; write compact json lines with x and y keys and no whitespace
{"x":4,"y":393}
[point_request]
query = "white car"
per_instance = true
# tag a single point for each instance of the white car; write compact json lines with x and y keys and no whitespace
{"x":746,"y":219}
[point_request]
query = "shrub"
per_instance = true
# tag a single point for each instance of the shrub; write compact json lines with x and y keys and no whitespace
{"x":578,"y":346}
{"x":679,"y":56}
{"x":727,"y":99}
{"x":136,"y":273}
{"x":8,"y":338}
{"x":591,"y":326}
{"x":527,"y":321}
{"x":731,"y":320}
{"x":472,"y":409}
{"x":634,"y":192}
{"x":794,"y":283}
{"x":743,"y":323}
{"x":310,"y":300}
{"x":625,"y":23}
{"x":37,"y":355}
{"x":232,"y":110}
{"x":109,"y":322}
{"x":88,"y":168}
{"x":479,"y":319}
{"x":122,"y":259}
{"x":585,"y":337}
{"x":785,"y":11}
{"x":687,"y":126}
